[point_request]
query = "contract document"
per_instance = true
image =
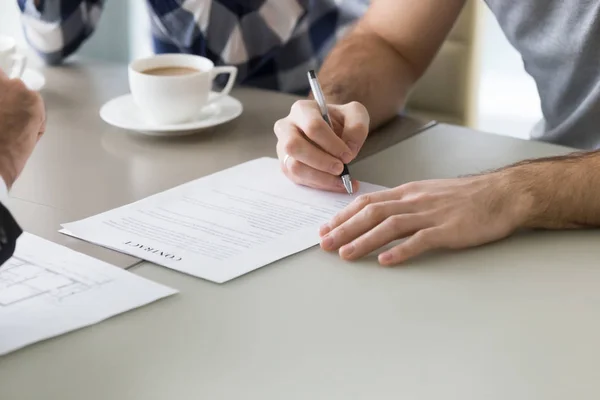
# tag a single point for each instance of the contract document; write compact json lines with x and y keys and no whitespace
{"x":47,"y":290}
{"x":221,"y":226}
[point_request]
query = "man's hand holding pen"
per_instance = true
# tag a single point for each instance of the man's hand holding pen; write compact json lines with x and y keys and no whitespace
{"x":313,"y":152}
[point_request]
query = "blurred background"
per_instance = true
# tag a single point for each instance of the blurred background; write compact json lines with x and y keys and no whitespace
{"x":477,"y":79}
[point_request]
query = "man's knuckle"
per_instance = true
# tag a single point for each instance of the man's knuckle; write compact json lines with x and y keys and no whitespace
{"x":423,"y":198}
{"x":419,"y":201}
{"x":373,"y":211}
{"x":295,"y":167}
{"x":314,"y":127}
{"x":364,"y":200}
{"x":278,"y":126}
{"x":409,"y":187}
{"x":299,"y":106}
{"x":360,"y":127}
{"x":336,"y":220}
{"x":356,"y":106}
{"x":292,"y":146}
{"x":396,"y":222}
{"x":341,"y":232}
{"x":426,"y":238}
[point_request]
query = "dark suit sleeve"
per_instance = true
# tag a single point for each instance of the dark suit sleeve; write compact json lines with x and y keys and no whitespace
{"x":9,"y":233}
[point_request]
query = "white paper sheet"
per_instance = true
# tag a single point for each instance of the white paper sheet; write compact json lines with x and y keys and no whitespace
{"x":47,"y":290}
{"x":221,"y":226}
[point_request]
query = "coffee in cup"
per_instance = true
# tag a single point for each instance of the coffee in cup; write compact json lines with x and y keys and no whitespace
{"x":11,"y":63}
{"x":170,"y":71}
{"x":174,"y":88}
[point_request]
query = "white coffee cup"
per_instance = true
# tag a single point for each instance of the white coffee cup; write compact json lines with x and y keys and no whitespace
{"x":11,"y":63}
{"x":174,"y":99}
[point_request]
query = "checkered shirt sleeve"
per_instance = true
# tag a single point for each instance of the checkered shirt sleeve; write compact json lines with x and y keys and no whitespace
{"x":272,"y":42}
{"x":56,"y":28}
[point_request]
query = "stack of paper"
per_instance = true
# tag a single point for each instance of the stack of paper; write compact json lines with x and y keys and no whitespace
{"x":47,"y":290}
{"x":220,"y":226}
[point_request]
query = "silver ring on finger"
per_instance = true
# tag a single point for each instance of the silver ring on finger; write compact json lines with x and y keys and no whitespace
{"x":285,"y":160}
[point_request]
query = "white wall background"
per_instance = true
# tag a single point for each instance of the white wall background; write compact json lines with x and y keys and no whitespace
{"x":507,"y":99}
{"x":124,"y":33}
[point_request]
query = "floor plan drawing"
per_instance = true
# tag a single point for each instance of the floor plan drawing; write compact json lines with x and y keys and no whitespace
{"x":47,"y":290}
{"x":21,"y":281}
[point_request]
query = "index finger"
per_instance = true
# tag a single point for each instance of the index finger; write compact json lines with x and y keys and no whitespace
{"x":356,"y":125}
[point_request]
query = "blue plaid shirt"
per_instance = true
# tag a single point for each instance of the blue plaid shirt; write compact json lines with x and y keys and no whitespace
{"x":272,"y":42}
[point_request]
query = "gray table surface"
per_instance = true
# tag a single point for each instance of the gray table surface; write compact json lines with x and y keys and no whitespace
{"x":513,"y":320}
{"x":83,"y":166}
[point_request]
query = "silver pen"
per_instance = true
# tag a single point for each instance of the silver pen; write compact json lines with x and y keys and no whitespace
{"x":320,"y":98}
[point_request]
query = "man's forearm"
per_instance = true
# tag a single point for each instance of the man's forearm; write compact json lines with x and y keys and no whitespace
{"x":557,"y":192}
{"x":365,"y":68}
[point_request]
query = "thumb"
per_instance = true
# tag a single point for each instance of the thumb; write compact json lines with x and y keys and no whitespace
{"x":356,"y":126}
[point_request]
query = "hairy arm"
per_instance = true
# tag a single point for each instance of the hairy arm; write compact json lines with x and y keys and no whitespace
{"x":557,"y":192}
{"x":388,"y":50}
{"x":550,"y":193}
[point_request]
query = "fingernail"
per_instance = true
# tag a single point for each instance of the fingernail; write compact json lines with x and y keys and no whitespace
{"x":347,"y":250}
{"x":327,"y":242}
{"x":346,"y":157}
{"x":324,"y":230}
{"x":385,"y":258}
{"x":352,"y":146}
{"x":337,"y":168}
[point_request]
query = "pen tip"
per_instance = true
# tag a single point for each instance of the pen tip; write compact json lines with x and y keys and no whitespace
{"x":312,"y":74}
{"x":348,"y":184}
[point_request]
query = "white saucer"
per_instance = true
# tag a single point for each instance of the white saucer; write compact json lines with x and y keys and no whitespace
{"x":122,"y":112}
{"x":33,"y":79}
